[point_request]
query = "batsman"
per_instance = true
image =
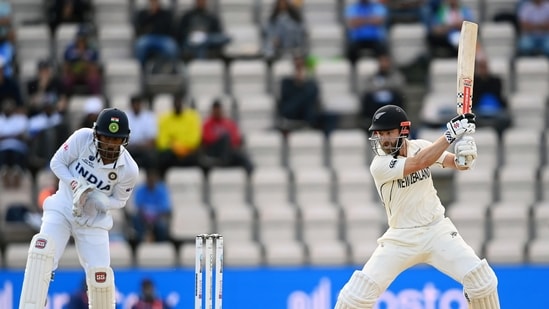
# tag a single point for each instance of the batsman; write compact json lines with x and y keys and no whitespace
{"x":418,"y":232}
{"x":96,"y":174}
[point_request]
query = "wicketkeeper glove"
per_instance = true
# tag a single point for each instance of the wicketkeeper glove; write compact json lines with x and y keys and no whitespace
{"x":458,"y":126}
{"x":466,"y":151}
{"x":80,"y":191}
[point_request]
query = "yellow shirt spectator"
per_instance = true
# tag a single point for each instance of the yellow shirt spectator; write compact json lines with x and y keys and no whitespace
{"x":180,"y":132}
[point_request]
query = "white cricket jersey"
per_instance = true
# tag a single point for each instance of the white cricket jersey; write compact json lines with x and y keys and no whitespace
{"x":78,"y":159}
{"x":411,"y":200}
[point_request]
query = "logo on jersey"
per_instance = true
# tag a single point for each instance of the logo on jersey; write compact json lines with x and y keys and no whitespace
{"x":392,"y":163}
{"x":100,"y":277}
{"x":91,"y":178}
{"x":113,"y":176}
{"x":414,"y":177}
{"x":114,"y":126}
{"x":40,"y":243}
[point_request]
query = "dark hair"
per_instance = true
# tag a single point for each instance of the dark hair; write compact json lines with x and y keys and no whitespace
{"x":292,"y":11}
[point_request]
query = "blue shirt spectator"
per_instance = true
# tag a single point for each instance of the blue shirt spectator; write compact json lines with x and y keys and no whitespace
{"x":366,"y":28}
{"x":153,"y":209}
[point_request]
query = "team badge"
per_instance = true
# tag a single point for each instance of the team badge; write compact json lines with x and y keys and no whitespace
{"x":91,"y":158}
{"x":114,"y":126}
{"x":113,"y":176}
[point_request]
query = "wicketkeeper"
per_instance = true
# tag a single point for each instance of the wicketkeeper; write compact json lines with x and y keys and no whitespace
{"x":96,"y":175}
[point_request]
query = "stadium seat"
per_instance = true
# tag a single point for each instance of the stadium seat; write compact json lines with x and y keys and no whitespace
{"x":242,"y":253}
{"x":528,"y":110}
{"x":521,"y":147}
{"x":227,"y":186}
{"x":189,"y":220}
{"x":533,"y":73}
{"x":328,"y":253}
{"x":207,"y":77}
{"x":270,"y":185}
{"x":121,"y":255}
{"x":186,"y":185}
{"x":355,"y":185}
{"x":277,"y":222}
{"x":319,"y":222}
{"x":255,"y":112}
{"x":540,"y":215}
{"x":265,"y":148}
{"x":245,"y":42}
{"x":361,"y":251}
{"x":158,"y":254}
{"x":510,"y":221}
{"x":348,"y":148}
{"x":407,"y":42}
{"x":116,"y":40}
{"x":497,"y":39}
{"x":112,"y":12}
{"x":32,"y":43}
{"x":494,"y":7}
{"x":306,"y":149}
{"x":248,"y":77}
{"x":284,"y":253}
{"x":237,"y":13}
{"x":517,"y":184}
{"x":469,"y":217}
{"x":334,"y":76}
{"x":364,"y":69}
{"x":363,"y":222}
{"x":16,"y":255}
{"x":505,"y":251}
{"x":442,"y":76}
{"x":235,"y":221}
{"x":538,"y":251}
{"x":327,"y":40}
{"x":122,"y":76}
{"x":313,"y":185}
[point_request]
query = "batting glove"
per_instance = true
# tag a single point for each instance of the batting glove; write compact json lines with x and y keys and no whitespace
{"x":458,"y":126}
{"x":466,"y":151}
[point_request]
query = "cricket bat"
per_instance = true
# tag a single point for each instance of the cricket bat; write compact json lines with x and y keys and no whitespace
{"x":466,"y":66}
{"x":466,"y":69}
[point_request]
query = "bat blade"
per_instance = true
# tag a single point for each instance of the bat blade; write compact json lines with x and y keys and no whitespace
{"x":466,"y":66}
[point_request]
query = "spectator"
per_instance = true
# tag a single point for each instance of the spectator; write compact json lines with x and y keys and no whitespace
{"x":68,"y":11}
{"x":382,"y":88}
{"x":44,"y":86}
{"x":148,"y":298}
{"x":222,"y":140}
{"x":47,"y":131}
{"x":92,"y":108}
{"x":445,"y":27}
{"x":285,"y":31}
{"x":79,"y":299}
{"x":408,"y":11}
{"x":179,"y":137}
{"x":9,"y":87}
{"x":7,"y":38}
{"x":13,"y":144}
{"x":144,"y":128}
{"x":200,"y":33}
{"x":81,"y":65}
{"x":299,"y":103}
{"x":489,"y":103}
{"x":153,"y":210}
{"x":154,"y":33}
{"x":533,"y":24}
{"x":366,"y":22}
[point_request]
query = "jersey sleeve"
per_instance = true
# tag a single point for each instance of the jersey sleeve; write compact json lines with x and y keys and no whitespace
{"x":386,"y":168}
{"x":68,"y":153}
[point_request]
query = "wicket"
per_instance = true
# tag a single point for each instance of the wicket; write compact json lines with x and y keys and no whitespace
{"x":204,"y":260}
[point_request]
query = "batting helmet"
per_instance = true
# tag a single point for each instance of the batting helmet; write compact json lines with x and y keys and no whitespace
{"x":112,"y":122}
{"x":391,"y":117}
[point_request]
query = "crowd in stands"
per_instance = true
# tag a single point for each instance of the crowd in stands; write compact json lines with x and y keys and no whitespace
{"x":35,"y":115}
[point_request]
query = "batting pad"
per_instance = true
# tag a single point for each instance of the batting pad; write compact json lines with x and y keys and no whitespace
{"x":360,"y":292}
{"x":38,"y":272}
{"x":100,"y":282}
{"x":480,"y":286}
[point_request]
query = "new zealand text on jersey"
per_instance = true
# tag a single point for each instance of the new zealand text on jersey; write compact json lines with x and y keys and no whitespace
{"x":414,"y":177}
{"x":91,"y":178}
